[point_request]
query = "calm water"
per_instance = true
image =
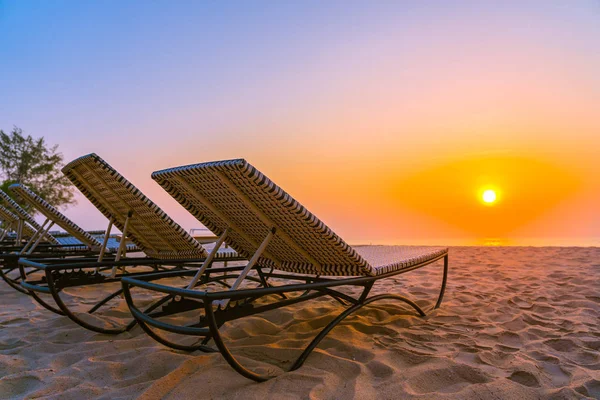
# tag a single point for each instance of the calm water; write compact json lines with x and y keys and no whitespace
{"x":538,"y":242}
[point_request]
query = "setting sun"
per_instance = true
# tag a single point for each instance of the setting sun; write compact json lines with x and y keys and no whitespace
{"x":489,"y":196}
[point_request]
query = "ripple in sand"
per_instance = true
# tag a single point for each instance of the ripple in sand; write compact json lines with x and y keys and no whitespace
{"x":447,"y":380}
{"x":18,"y":385}
{"x":525,"y":378}
{"x":562,"y":345}
{"x":590,"y":388}
{"x":380,"y":370}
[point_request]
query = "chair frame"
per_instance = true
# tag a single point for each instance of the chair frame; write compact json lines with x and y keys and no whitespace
{"x":10,"y":256}
{"x":59,"y":274}
{"x":216,"y":314}
{"x":258,"y":218}
{"x":92,"y":268}
{"x":35,"y":249}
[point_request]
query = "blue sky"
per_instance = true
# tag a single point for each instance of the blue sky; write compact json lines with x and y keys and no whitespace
{"x":305,"y":86}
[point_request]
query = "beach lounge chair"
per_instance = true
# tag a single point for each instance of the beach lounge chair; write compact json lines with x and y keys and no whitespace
{"x":24,"y":220}
{"x":55,"y":217}
{"x":42,"y":242}
{"x":21,"y":229}
{"x":12,"y":236}
{"x":52,"y":238}
{"x":275,"y":232}
{"x":166,"y":245}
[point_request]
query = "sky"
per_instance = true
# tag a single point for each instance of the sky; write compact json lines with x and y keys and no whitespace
{"x":386,"y":119}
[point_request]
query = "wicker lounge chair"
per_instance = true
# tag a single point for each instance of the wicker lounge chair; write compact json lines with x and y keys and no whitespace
{"x":24,"y":220}
{"x":13,"y":223}
{"x":167,"y":246}
{"x":52,"y":237}
{"x":42,"y":242}
{"x":262,"y":222}
{"x":18,"y":230}
{"x":53,"y":216}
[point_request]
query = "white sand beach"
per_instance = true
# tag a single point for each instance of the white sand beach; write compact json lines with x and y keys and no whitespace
{"x":516,"y":323}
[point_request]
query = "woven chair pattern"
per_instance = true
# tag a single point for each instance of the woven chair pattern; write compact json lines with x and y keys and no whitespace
{"x":307,"y":232}
{"x":386,"y":259}
{"x":50,"y":212}
{"x":17,"y":209}
{"x":150,"y":228}
{"x":9,"y":218}
{"x":24,"y":215}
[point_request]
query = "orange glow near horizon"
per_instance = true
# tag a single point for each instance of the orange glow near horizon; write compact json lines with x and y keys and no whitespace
{"x":444,"y":193}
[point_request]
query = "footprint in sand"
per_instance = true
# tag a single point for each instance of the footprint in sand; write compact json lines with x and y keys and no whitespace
{"x":448,"y":380}
{"x":517,"y":301}
{"x":16,"y":386}
{"x":11,"y":343}
{"x":379,"y":369}
{"x":562,"y":345}
{"x":525,"y":378}
{"x":590,"y":388}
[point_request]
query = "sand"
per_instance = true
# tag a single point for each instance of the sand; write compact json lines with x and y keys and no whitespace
{"x":516,"y":323}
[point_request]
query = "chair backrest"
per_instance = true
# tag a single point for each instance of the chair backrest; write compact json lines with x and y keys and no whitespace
{"x":233,"y":194}
{"x":149,"y":227}
{"x":24,"y":215}
{"x":9,"y":218}
{"x":18,"y":210}
{"x":50,"y":212}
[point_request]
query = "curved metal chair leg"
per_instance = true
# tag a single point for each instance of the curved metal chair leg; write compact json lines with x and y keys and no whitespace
{"x":66,"y":311}
{"x":231,"y":360}
{"x":15,"y":283}
{"x":44,"y":304}
{"x":202,"y":347}
{"x":444,"y":280}
{"x":152,"y":307}
{"x":216,"y":336}
{"x":104,"y":301}
{"x":345,"y":314}
{"x":37,"y":298}
{"x":12,"y":282}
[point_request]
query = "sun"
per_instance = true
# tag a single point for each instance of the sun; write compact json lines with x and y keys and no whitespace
{"x":489,"y":196}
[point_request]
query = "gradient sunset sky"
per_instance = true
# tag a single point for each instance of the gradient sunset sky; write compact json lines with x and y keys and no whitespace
{"x":386,"y":119}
